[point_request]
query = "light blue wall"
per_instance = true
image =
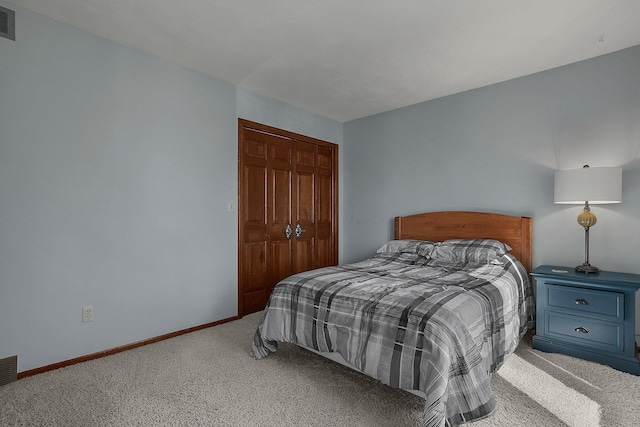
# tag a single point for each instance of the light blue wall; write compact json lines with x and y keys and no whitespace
{"x":496,"y":149}
{"x":115,"y":173}
{"x":271,"y":112}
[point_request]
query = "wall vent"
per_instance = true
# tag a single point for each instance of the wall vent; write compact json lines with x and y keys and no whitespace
{"x":8,"y":370}
{"x":7,"y":23}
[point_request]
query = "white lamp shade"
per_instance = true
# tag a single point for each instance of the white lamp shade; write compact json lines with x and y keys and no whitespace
{"x":593,"y":185}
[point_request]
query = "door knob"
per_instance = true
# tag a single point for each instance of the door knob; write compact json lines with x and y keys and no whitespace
{"x":299,"y":230}
{"x":287,"y":231}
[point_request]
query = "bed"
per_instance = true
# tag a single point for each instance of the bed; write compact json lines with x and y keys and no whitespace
{"x":435,"y":311}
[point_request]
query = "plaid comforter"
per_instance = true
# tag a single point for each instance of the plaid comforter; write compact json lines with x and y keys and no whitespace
{"x":411,"y":322}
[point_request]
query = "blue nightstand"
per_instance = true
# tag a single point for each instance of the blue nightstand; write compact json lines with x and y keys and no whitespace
{"x":591,"y":316}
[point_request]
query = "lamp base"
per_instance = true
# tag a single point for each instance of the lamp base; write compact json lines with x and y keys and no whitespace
{"x":587,"y":268}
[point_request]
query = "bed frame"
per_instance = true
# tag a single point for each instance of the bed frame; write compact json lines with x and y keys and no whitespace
{"x":515,"y":231}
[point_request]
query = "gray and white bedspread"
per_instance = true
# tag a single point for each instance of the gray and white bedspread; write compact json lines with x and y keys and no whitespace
{"x":410,"y":322}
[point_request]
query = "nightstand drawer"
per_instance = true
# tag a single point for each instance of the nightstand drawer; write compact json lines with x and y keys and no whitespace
{"x":581,"y":300}
{"x":592,"y":333}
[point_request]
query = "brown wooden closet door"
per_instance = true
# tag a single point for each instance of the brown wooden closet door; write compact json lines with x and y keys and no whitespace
{"x":265,"y":191}
{"x":287,"y":210}
{"x":304,"y":206}
{"x":326,"y":208}
{"x":314,"y":207}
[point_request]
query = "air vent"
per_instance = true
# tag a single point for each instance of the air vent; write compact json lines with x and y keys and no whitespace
{"x":8,"y":370}
{"x":7,"y":23}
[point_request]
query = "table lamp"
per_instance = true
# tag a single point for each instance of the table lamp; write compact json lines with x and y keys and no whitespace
{"x":589,"y":186}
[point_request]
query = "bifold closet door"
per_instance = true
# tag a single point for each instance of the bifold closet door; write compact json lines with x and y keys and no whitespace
{"x":264,"y":217}
{"x":313,"y":206}
{"x":287,"y":210}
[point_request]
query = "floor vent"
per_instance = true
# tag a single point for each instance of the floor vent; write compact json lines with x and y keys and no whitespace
{"x":8,"y":370}
{"x":7,"y":23}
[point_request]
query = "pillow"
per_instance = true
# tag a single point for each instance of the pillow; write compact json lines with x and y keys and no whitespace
{"x":420,"y":247}
{"x":469,"y":250}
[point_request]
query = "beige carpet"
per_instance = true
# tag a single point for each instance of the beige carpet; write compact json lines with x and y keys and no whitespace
{"x":207,"y":378}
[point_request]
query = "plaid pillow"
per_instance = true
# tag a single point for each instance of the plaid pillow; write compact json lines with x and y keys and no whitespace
{"x":469,"y":250}
{"x":420,"y":247}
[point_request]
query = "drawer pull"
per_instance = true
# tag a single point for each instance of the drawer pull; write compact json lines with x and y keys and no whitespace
{"x":580,"y":301}
{"x":582,"y":330}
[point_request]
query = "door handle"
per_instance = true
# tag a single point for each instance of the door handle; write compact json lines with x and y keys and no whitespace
{"x":581,"y":330}
{"x":299,"y":230}
{"x":287,"y":231}
{"x":580,"y":301}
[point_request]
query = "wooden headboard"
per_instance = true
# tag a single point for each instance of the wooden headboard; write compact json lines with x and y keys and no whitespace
{"x":515,"y":231}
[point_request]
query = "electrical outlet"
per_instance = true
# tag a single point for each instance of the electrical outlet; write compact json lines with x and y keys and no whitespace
{"x":87,"y":314}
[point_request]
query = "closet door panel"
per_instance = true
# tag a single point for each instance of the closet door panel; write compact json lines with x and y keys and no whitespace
{"x":304,"y":203}
{"x":279,"y":192}
{"x":265,"y":197}
{"x":253,"y":271}
{"x":255,"y":264}
{"x":279,"y":263}
{"x":324,"y":207}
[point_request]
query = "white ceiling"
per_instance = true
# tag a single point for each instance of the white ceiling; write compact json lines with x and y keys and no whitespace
{"x":346,"y":59}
